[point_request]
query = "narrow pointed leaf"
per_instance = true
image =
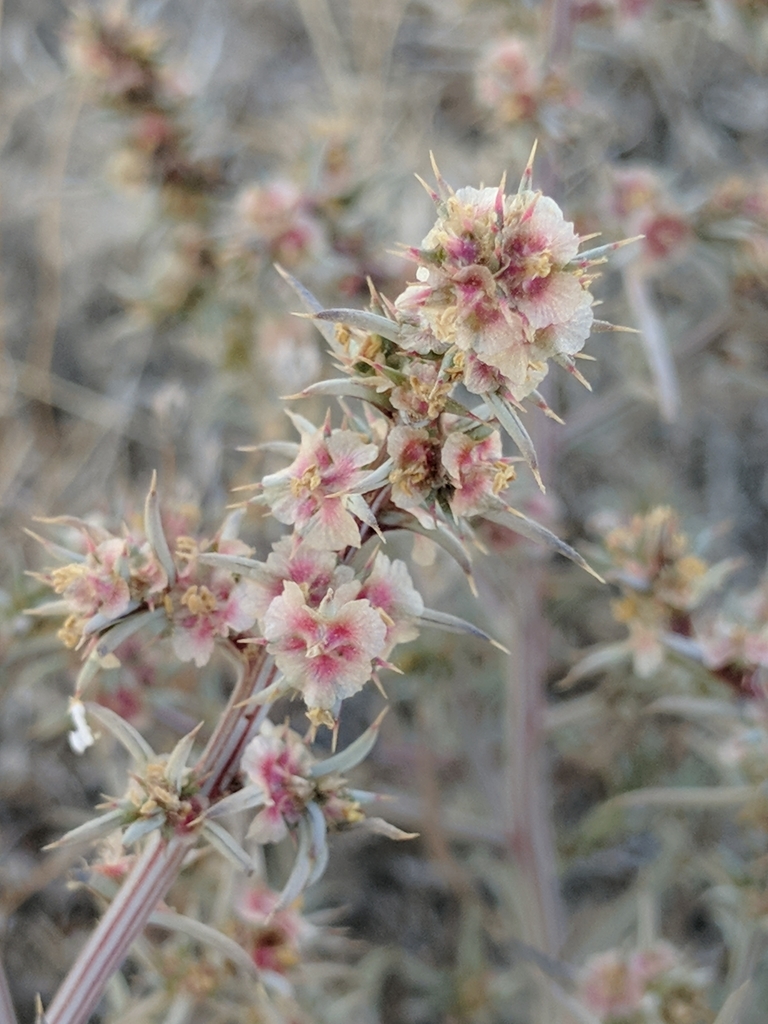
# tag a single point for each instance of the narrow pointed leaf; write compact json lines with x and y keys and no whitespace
{"x":228,"y":846}
{"x":312,"y":305}
{"x":375,"y":478}
{"x":598,"y":660}
{"x":655,"y":342}
{"x":319,"y":851}
{"x":695,"y":797}
{"x":529,"y":528}
{"x":287,"y":448}
{"x":398,"y":519}
{"x":91,"y":831}
{"x":686,"y":646}
{"x":49,"y":608}
{"x":243,"y":800}
{"x":176,"y":767}
{"x":127,"y":627}
{"x":56,"y":550}
{"x":230,"y":528}
{"x":271,"y":692}
{"x":600,"y":251}
{"x":357,"y":504}
{"x":91,"y":668}
{"x":344,"y":387}
{"x":734,"y":1006}
{"x":385,"y":828}
{"x":99,"y":622}
{"x":526,"y":181}
{"x":297,"y":880}
{"x":690,"y":707}
{"x":123,"y":732}
{"x":542,"y":404}
{"x":603,"y":327}
{"x":512,"y":423}
{"x":203,"y":933}
{"x":237,"y":563}
{"x":142,"y":827}
{"x":153,"y":527}
{"x":351,"y":755}
{"x":362,"y":796}
{"x":96,"y":533}
{"x":301,"y":423}
{"x":453,"y":624}
{"x":363,"y":320}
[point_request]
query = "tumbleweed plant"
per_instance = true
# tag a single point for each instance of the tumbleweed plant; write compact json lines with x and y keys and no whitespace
{"x":381,"y":651}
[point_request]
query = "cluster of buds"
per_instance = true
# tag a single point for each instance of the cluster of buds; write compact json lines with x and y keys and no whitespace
{"x":661,"y":583}
{"x":646,"y":986}
{"x":162,"y":795}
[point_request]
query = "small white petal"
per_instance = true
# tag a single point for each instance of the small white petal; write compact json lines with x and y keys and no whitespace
{"x":81,"y":736}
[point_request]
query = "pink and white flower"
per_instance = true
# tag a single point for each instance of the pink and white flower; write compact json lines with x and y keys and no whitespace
{"x":390,"y":590}
{"x":278,"y":761}
{"x":286,"y":779}
{"x":326,"y":653}
{"x":314,"y":492}
{"x":498,"y":280}
{"x":211,"y":602}
{"x":416,"y":471}
{"x":275,"y":934}
{"x":477,"y":471}
{"x":508,"y":81}
{"x":313,"y":569}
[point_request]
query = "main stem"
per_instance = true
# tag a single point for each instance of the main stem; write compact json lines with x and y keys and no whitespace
{"x":158,"y":865}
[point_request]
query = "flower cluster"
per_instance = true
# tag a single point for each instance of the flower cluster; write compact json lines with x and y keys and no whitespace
{"x":116,"y":585}
{"x":302,"y":796}
{"x":665,"y":605}
{"x":162,"y":793}
{"x":646,"y":986}
{"x":328,"y":627}
{"x":501,"y":289}
{"x":279,"y":763}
